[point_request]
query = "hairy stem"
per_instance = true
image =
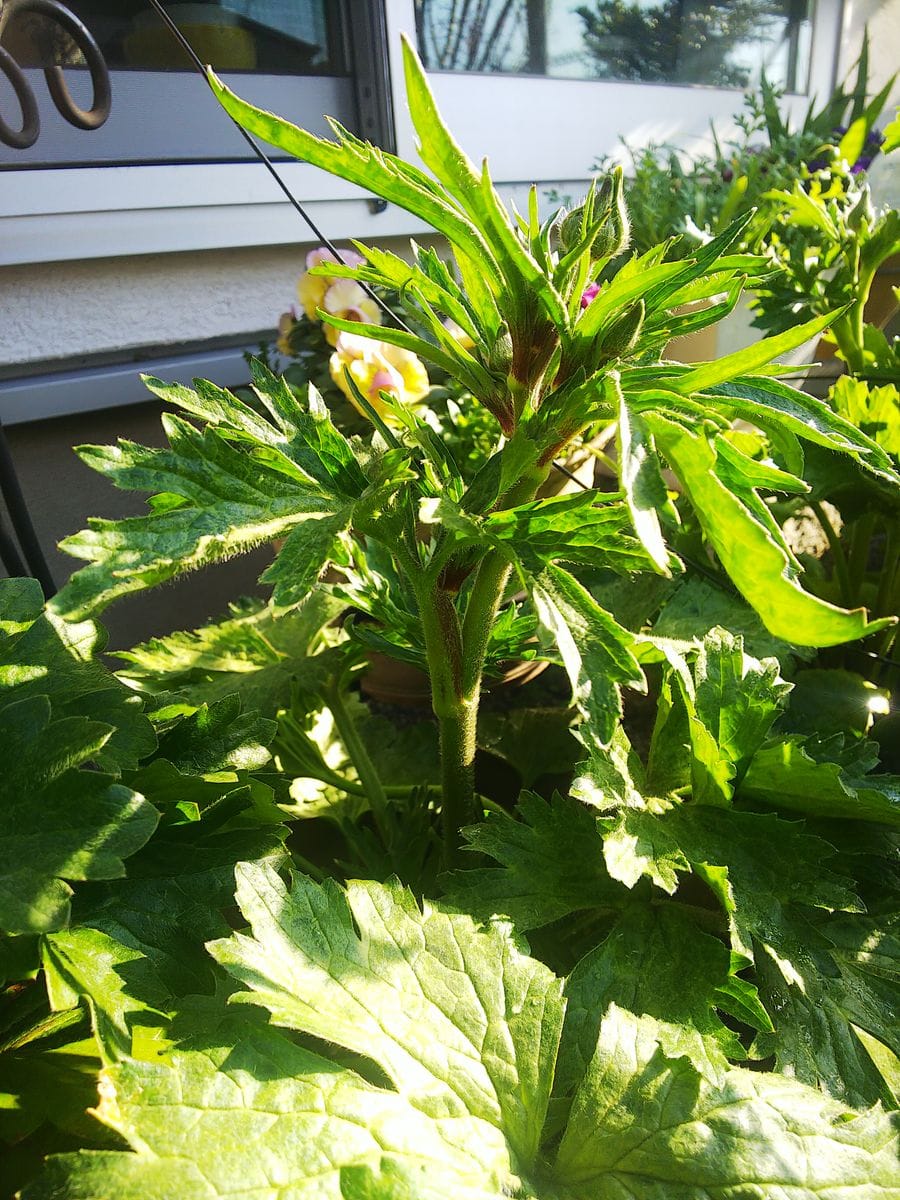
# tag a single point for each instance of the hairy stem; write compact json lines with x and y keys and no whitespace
{"x":839,"y":558}
{"x":456,"y":719}
{"x":365,"y":768}
{"x":456,"y":654}
{"x":481,"y":611}
{"x":458,"y":729}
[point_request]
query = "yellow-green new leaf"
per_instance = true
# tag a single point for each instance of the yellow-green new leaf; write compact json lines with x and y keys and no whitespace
{"x":364,"y":164}
{"x":757,"y":564}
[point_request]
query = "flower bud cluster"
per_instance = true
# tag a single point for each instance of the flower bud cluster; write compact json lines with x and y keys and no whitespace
{"x":601,"y":221}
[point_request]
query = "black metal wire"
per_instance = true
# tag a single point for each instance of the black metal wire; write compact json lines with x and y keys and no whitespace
{"x":264,"y":158}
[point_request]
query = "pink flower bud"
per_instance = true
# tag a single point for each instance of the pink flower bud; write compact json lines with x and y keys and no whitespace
{"x":589,"y":293}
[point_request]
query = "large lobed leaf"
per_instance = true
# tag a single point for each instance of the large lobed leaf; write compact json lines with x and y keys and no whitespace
{"x":646,"y":1127}
{"x":466,"y":1028}
{"x":44,"y":655}
{"x":61,"y":818}
{"x":262,"y":1118}
{"x":417,"y":993}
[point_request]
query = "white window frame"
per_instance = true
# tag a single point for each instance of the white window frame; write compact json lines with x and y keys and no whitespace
{"x":547,"y":131}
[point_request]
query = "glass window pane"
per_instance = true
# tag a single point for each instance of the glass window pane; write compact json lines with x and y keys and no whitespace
{"x":720,"y":43}
{"x":272,"y":37}
{"x":290,"y":56}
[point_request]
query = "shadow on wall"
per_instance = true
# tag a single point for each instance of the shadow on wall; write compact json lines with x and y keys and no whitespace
{"x":62,"y":493}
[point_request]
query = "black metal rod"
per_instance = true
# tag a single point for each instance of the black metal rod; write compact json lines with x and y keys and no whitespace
{"x":21,"y":519}
{"x":9,"y":553}
{"x":264,"y":158}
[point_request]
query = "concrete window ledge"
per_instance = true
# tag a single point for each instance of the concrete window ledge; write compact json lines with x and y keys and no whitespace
{"x":38,"y":397}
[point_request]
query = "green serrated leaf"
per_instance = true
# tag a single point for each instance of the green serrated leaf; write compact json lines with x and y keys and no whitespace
{"x":824,"y":996}
{"x":785,"y":776}
{"x":59,"y":819}
{"x":138,"y":942}
{"x":309,"y":546}
{"x":595,"y":649}
{"x":463,"y":1023}
{"x":544,"y":872}
{"x":436,"y":1048}
{"x":658,"y":961}
{"x":232,"y":502}
{"x":253,"y":650}
{"x":610,"y":778}
{"x":43,"y":655}
{"x":753,"y":863}
{"x":733,"y":703}
{"x":373,"y":169}
{"x":259,"y":1115}
{"x":218,"y":737}
{"x":646,"y":1126}
{"x":584,"y":528}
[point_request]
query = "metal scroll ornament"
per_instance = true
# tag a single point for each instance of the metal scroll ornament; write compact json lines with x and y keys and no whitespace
{"x":91,"y":118}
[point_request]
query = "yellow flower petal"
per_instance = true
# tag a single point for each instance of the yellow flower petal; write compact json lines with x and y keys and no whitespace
{"x":378,"y":367}
{"x":311,"y":293}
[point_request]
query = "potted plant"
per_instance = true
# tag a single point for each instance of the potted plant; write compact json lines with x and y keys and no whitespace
{"x":690,"y":201}
{"x":685,"y":910}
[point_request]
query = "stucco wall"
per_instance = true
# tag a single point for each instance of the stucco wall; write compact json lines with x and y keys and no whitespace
{"x":72,"y":310}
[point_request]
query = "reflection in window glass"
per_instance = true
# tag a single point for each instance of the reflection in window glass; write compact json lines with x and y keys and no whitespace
{"x":721,"y":43}
{"x":272,"y":37}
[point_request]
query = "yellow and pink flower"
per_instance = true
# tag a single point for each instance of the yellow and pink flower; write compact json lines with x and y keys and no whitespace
{"x":377,"y":367}
{"x":342,"y":297}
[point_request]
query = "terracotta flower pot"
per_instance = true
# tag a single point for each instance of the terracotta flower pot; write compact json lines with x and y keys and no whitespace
{"x":392,"y":682}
